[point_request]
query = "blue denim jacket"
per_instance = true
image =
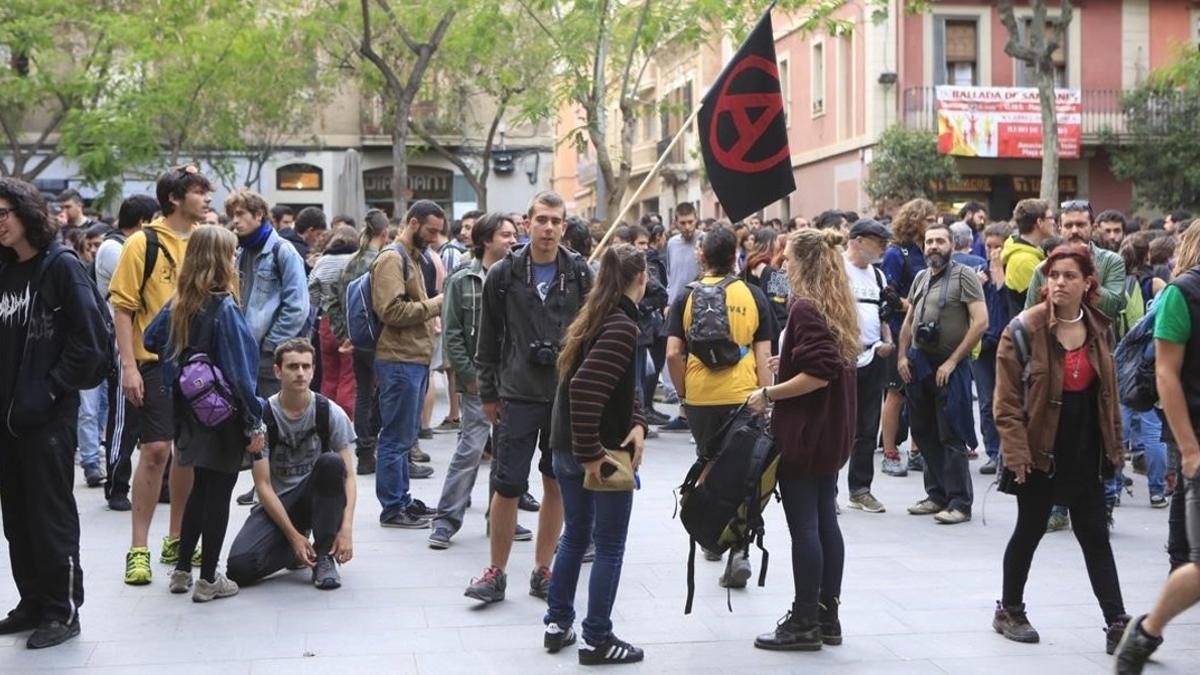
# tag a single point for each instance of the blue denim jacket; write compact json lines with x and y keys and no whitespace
{"x":233,"y":350}
{"x":954,"y":398}
{"x":278,"y":306}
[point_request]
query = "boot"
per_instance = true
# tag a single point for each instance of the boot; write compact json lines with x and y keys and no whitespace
{"x":831,"y":627}
{"x":366,"y":459}
{"x":1114,"y":632}
{"x":1011,"y":622}
{"x":796,"y":632}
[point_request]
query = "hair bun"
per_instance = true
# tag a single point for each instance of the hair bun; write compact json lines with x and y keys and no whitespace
{"x":833,"y":238}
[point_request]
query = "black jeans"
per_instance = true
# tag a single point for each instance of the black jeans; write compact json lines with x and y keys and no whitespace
{"x":818,"y":552}
{"x":317,"y":504}
{"x":205,"y":518}
{"x":872,"y":378}
{"x":947,"y":469}
{"x":1089,"y":521}
{"x":41,"y":521}
{"x":366,"y":403}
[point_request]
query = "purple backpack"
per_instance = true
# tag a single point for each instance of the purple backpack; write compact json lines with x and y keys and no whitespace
{"x":206,"y":390}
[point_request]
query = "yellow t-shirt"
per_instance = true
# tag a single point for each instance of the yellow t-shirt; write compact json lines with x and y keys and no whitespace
{"x":749,"y":323}
{"x":126,"y":289}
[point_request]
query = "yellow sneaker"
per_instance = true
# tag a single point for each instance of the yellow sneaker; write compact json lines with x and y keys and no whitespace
{"x":170,"y":552}
{"x":137,"y":566}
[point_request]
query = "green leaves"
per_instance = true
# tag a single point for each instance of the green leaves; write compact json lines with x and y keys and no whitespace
{"x":1157,"y":151}
{"x":906,"y":165}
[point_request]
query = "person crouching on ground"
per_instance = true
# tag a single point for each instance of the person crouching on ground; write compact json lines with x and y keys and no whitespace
{"x":204,"y":319}
{"x":814,"y":426}
{"x":1060,"y":434}
{"x":597,"y":407}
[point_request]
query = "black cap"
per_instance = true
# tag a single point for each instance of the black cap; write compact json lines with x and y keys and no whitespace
{"x":866,"y":227}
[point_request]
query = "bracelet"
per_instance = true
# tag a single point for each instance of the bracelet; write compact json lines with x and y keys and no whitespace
{"x":767,"y":396}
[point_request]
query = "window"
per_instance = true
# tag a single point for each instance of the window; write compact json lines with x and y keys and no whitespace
{"x":846,"y":103}
{"x":1026,"y":77}
{"x":299,"y":177}
{"x":956,"y":51}
{"x":647,"y":113}
{"x":785,"y":89}
{"x":818,"y":79}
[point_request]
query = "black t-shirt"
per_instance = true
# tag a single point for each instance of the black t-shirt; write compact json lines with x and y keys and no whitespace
{"x":16,"y":299}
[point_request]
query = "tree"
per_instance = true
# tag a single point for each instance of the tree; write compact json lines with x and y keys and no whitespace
{"x":1158,"y":152}
{"x":479,"y":53}
{"x":906,"y":165}
{"x":57,"y":57}
{"x":1036,"y":51}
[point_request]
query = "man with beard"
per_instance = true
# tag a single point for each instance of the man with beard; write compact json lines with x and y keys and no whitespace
{"x":1076,"y":228}
{"x":946,"y":318}
{"x":1112,"y":229}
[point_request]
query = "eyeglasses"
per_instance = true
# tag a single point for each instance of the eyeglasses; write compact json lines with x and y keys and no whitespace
{"x":4,"y":214}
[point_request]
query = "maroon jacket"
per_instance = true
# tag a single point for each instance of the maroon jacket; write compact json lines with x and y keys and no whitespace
{"x":815,"y":431}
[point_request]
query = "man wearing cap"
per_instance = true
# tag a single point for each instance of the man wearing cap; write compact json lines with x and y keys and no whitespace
{"x":868,"y":240}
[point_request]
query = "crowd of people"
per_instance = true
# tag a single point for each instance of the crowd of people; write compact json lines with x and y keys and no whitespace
{"x":309,"y":351}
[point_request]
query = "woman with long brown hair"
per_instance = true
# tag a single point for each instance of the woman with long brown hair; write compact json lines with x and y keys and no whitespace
{"x":203,"y":319}
{"x":597,"y":419}
{"x":814,"y":427}
{"x":760,"y":271}
{"x":1060,"y":434}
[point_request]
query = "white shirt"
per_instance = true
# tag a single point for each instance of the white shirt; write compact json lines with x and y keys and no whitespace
{"x":864,"y":284}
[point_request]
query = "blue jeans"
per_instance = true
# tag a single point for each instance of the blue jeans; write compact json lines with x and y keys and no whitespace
{"x":401,"y":397}
{"x":1143,"y":432}
{"x":984,"y":371}
{"x":93,"y":412}
{"x":599,"y":516}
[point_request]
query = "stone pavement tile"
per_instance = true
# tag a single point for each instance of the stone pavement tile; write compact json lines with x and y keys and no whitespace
{"x":518,"y":609}
{"x":210,"y":667}
{"x":1166,"y":661}
{"x":350,"y":620}
{"x":952,"y":620}
{"x":383,"y":640}
{"x":16,"y":658}
{"x":1061,"y":664}
{"x":978,"y":645}
{"x":198,"y":649}
{"x":395,"y":664}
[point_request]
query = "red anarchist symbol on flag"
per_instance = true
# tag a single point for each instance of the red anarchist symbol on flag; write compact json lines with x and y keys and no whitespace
{"x":748,"y":132}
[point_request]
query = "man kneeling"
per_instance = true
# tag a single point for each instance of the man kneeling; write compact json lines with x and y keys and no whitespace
{"x":302,"y":482}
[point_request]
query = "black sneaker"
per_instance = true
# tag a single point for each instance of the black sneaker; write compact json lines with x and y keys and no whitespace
{"x":1112,"y":634}
{"x":612,"y":651}
{"x":1012,"y":623}
{"x":989,"y":467}
{"x":1135,"y":649}
{"x":522,"y":533}
{"x":18,"y":621}
{"x":325,"y":573}
{"x":528,"y":503}
{"x":655,"y":418}
{"x":489,"y":587}
{"x":916,"y":463}
{"x":792,"y":634}
{"x":557,"y":637}
{"x":440,"y":539}
{"x":405,"y":521}
{"x":119,"y":503}
{"x":425,"y":434}
{"x":539,"y":582}
{"x":420,"y":510}
{"x":93,"y":476}
{"x":246,"y":499}
{"x":677,"y":425}
{"x":416,"y":471}
{"x":53,"y":632}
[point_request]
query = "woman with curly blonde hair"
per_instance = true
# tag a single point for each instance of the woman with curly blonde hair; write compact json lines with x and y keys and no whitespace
{"x":814,"y":427}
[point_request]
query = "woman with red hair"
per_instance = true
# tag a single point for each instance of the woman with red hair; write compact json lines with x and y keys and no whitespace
{"x":1060,"y":434}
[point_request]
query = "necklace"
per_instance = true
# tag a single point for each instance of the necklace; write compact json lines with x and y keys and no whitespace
{"x":1076,"y":319}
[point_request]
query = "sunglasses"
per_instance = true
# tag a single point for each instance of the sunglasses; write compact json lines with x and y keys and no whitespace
{"x":1076,"y":205}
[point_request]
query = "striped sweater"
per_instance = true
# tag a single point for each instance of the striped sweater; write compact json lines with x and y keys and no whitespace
{"x":600,"y":397}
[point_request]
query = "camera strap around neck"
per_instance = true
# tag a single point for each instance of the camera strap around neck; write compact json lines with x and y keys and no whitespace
{"x":929,"y":289}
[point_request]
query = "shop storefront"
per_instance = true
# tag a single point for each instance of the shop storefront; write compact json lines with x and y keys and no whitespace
{"x":424,"y":182}
{"x":1000,"y":193}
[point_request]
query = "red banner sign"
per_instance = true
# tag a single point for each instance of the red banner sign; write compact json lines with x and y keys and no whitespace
{"x":1004,"y":122}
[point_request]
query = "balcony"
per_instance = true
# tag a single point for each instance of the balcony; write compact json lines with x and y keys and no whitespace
{"x":441,"y":121}
{"x":1101,"y":111}
{"x":678,"y":156}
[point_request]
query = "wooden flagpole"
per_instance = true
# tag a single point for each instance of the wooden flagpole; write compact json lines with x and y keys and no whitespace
{"x":636,"y":193}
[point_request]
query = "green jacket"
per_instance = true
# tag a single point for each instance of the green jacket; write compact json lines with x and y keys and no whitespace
{"x":461,"y":312}
{"x":1110,"y":267}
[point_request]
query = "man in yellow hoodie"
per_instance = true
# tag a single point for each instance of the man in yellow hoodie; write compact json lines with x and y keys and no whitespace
{"x":144,"y":280}
{"x":1022,"y":253}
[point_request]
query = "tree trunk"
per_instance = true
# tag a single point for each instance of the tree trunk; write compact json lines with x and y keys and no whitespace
{"x":400,"y":159}
{"x":1049,"y":191}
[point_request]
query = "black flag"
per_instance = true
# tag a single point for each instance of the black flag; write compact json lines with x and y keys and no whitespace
{"x":743,"y":134}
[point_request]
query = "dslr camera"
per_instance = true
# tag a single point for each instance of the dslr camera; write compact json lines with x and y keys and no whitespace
{"x":543,"y":353}
{"x":890,"y":305}
{"x":926,"y":333}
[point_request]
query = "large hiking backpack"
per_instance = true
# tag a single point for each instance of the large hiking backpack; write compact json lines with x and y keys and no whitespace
{"x":362,"y":323}
{"x":709,"y":337}
{"x":1134,"y":356}
{"x":723,"y":496}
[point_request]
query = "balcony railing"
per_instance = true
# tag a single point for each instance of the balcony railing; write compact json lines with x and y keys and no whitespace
{"x":678,"y":153}
{"x":1101,"y":111}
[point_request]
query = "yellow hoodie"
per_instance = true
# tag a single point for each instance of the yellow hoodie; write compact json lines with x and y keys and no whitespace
{"x":126,"y":290}
{"x":1020,"y":259}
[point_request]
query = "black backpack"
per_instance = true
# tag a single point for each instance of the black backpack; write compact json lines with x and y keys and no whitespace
{"x":723,"y":496}
{"x":321,"y":430}
{"x":709,"y":337}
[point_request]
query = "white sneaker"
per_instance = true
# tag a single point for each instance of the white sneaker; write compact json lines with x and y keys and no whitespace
{"x":180,"y":581}
{"x":221,"y":588}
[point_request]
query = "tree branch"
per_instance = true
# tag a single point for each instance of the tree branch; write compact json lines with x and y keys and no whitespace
{"x":399,"y":26}
{"x":445,"y":153}
{"x":633,"y":44}
{"x":368,"y":52}
{"x":1014,"y":46}
{"x":425,"y":54}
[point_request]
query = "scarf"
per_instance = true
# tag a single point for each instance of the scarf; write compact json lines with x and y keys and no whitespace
{"x":255,"y":240}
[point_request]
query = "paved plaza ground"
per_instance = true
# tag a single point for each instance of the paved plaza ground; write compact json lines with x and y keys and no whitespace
{"x":917,"y":598}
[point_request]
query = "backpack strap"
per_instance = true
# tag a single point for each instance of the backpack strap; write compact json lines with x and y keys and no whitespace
{"x":691,"y":576}
{"x":1020,"y":338}
{"x":268,"y":416}
{"x":153,"y":247}
{"x":323,"y":431}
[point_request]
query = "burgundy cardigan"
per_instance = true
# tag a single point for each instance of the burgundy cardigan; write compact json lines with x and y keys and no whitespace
{"x":814,"y":431}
